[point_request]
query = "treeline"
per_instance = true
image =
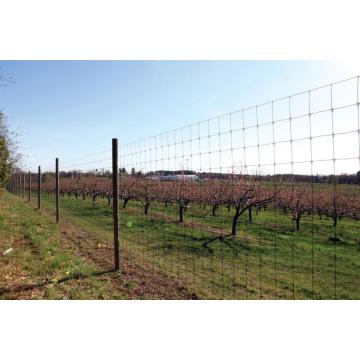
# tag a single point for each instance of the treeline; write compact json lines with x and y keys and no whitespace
{"x":349,"y":179}
{"x":345,"y":179}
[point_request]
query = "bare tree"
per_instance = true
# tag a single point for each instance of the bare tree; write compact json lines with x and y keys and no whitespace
{"x":245,"y":193}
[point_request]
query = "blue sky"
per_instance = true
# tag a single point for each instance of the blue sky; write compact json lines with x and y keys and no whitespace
{"x":72,"y":108}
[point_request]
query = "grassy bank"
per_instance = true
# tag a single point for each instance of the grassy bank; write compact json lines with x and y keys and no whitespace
{"x":39,"y":265}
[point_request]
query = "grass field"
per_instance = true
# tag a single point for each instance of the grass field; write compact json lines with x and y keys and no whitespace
{"x":40,"y":266}
{"x":51,"y":261}
{"x":267,"y":259}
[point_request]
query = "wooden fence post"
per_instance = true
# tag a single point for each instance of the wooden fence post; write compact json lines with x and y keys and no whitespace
{"x":39,"y":188}
{"x":24,"y":186}
{"x":115,"y":187}
{"x":19,"y":185}
{"x":29,"y":189}
{"x":57,"y":190}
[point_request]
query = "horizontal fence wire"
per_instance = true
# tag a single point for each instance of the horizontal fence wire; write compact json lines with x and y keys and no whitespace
{"x":262,"y":202}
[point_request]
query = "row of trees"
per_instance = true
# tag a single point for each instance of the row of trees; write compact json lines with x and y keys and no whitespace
{"x":240,"y":195}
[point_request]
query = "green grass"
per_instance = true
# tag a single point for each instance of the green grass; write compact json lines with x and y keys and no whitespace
{"x":267,"y":259}
{"x":40,"y":259}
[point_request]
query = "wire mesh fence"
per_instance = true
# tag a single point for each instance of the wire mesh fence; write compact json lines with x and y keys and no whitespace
{"x":85,"y":198}
{"x":263,"y":202}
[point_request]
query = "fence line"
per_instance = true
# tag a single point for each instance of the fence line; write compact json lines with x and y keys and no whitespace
{"x":260,"y":203}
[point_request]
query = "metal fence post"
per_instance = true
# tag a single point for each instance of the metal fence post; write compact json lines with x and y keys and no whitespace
{"x":39,"y":188}
{"x":29,"y":189}
{"x":19,"y":185}
{"x":57,"y":190}
{"x":24,"y":186}
{"x":115,"y":188}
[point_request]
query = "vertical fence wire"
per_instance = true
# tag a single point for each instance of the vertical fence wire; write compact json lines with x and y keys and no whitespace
{"x":258,"y":203}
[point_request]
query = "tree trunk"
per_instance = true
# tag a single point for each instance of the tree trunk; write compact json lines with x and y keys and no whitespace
{"x":146,"y":208}
{"x":250,"y":213}
{"x":319,"y":213}
{"x":235,"y":220}
{"x":335,"y":218}
{"x":298,"y":223}
{"x":214,"y":208}
{"x":125,"y":202}
{"x":181,"y":216}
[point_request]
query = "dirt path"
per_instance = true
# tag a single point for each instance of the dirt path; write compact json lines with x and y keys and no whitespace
{"x":139,"y":282}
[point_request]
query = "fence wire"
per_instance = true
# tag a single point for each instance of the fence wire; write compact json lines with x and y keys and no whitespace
{"x":259,"y":203}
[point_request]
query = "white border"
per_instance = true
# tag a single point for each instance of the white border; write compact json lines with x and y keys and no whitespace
{"x":179,"y":330}
{"x":179,"y":29}
{"x":159,"y":29}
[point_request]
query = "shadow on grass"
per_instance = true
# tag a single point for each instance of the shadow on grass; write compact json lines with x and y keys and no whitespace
{"x":228,"y":240}
{"x":205,"y":246}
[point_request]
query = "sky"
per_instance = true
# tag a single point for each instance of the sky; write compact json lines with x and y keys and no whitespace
{"x":69,"y":109}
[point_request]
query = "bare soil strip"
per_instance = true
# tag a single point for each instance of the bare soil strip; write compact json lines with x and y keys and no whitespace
{"x":144,"y":282}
